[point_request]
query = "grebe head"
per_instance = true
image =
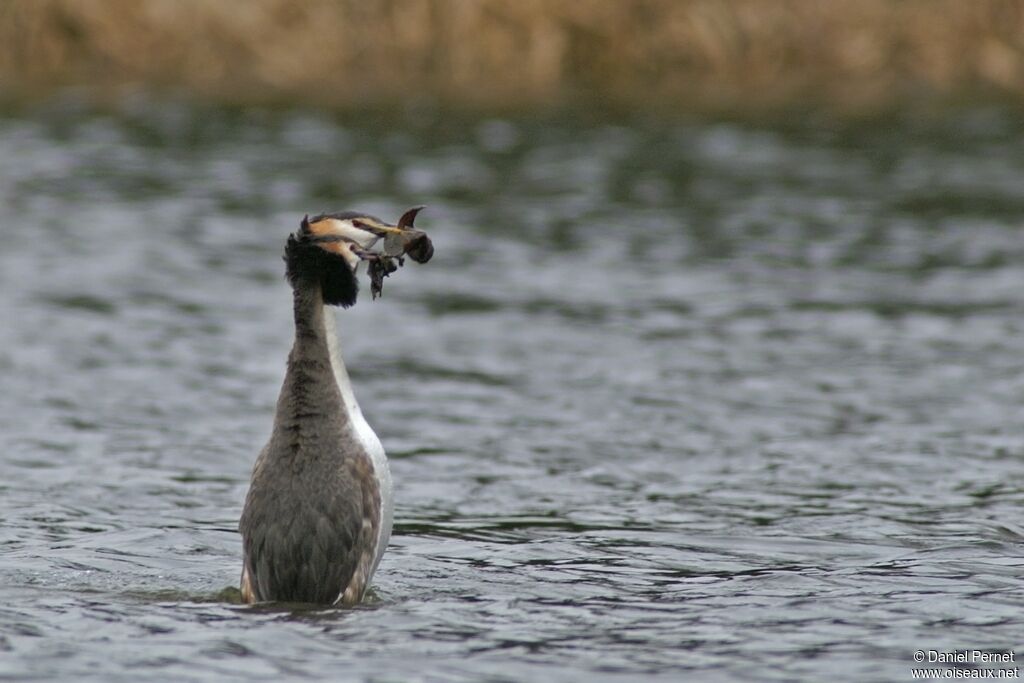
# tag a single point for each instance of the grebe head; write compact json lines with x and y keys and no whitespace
{"x":364,"y":231}
{"x":328,"y":248}
{"x":322,"y":257}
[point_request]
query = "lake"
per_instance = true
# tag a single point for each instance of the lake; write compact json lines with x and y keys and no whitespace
{"x":698,"y":400}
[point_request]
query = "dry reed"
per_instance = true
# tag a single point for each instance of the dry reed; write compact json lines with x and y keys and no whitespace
{"x":633,"y":54}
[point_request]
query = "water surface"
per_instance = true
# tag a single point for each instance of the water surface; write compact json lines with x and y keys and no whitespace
{"x":710,"y":401}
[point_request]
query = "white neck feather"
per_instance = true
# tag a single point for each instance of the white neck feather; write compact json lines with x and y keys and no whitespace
{"x":366,"y":436}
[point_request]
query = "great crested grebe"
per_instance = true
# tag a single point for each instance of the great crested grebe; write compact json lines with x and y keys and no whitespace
{"x":317,"y":517}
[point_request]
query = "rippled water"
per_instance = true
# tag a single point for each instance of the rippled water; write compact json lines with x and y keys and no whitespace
{"x":706,"y":401}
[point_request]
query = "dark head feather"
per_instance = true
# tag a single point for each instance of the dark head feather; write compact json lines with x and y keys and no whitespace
{"x":307,"y":264}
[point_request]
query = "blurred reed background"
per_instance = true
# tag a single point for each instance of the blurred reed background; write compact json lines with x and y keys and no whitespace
{"x":635,"y":55}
